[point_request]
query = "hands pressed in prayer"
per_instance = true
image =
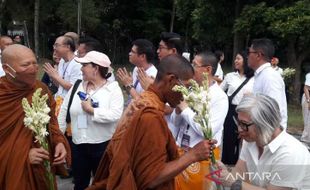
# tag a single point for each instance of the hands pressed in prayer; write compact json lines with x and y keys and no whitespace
{"x":50,"y":70}
{"x":181,"y":106}
{"x":145,"y":81}
{"x":124,"y":76}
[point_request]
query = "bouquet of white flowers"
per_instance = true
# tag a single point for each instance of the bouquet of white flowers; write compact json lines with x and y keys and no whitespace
{"x":36,"y":119}
{"x":288,"y":73}
{"x":197,"y":98}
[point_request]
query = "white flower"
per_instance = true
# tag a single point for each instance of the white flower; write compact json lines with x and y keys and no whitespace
{"x":46,"y":110}
{"x":28,"y":121}
{"x":43,"y":132}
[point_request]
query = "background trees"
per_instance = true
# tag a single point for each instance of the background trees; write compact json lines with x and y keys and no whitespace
{"x":204,"y":24}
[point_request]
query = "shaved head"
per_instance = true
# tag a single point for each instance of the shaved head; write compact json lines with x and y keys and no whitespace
{"x":175,"y":64}
{"x":13,"y":52}
{"x":5,"y":41}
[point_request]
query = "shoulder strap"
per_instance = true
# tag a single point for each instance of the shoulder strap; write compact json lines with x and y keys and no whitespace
{"x":231,"y":97}
{"x":75,"y":86}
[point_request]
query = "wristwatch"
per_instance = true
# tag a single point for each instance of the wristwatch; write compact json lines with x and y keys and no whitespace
{"x":237,"y":185}
{"x":128,"y":87}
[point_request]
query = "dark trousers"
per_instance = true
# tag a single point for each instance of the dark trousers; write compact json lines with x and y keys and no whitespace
{"x":230,"y":151}
{"x":86,"y":158}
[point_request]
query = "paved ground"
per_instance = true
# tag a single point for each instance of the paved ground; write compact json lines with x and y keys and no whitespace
{"x":66,"y":184}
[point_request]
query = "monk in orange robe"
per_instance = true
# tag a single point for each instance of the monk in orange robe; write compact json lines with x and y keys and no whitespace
{"x":142,"y":153}
{"x":21,"y":158}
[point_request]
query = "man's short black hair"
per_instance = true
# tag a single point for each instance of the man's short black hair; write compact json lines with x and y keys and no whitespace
{"x":91,"y":44}
{"x":172,"y":40}
{"x":146,"y":47}
{"x":265,"y":46}
{"x":209,"y":59}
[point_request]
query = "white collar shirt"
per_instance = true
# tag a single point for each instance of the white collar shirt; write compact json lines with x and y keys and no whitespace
{"x":231,"y":83}
{"x":270,"y":83}
{"x":99,"y":127}
{"x":184,"y":123}
{"x":278,"y":69}
{"x":285,"y":162}
{"x":70,"y":71}
{"x":219,"y":72}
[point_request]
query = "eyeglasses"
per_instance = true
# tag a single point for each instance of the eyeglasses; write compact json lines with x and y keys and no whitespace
{"x":58,"y":45}
{"x":243,"y":126}
{"x":197,"y":66}
{"x":249,"y":52}
{"x":160,"y":48}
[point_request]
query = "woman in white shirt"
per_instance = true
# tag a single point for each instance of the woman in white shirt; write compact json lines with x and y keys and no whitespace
{"x":231,"y":83}
{"x":306,"y":110}
{"x":96,"y":106}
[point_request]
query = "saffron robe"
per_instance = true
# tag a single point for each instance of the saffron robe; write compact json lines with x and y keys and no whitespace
{"x":16,"y":140}
{"x":139,"y":149}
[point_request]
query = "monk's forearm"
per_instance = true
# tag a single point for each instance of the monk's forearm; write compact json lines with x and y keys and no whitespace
{"x":172,"y":169}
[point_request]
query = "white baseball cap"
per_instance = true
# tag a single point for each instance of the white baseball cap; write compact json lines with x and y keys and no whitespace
{"x":96,"y":58}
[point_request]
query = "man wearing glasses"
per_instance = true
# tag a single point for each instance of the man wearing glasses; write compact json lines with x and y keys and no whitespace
{"x":267,"y":80}
{"x":68,"y":69}
{"x":270,"y":158}
{"x":142,"y":56}
{"x":186,"y":131}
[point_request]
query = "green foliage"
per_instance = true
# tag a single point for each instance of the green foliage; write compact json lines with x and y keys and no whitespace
{"x":284,"y":21}
{"x":67,"y":11}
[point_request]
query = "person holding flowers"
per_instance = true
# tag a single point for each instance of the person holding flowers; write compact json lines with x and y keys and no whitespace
{"x":189,"y":131}
{"x":24,"y":159}
{"x":270,"y":158}
{"x":142,"y":153}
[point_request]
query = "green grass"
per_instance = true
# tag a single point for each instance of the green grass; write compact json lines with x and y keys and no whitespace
{"x":295,"y":119}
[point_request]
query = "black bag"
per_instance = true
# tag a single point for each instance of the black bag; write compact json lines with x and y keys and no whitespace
{"x":75,"y":86}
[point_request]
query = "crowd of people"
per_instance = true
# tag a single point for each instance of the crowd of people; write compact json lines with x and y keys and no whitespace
{"x":151,"y":139}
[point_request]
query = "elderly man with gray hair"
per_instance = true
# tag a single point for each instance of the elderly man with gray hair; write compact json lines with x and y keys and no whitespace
{"x":270,"y":158}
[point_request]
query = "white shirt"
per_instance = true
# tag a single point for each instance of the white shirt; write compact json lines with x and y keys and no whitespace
{"x":70,"y":71}
{"x":219,"y":71}
{"x":278,"y":69}
{"x":284,"y":159}
{"x":218,"y":111}
{"x":307,"y":81}
{"x":151,"y":71}
{"x":95,"y":128}
{"x":2,"y":73}
{"x":232,"y":81}
{"x":270,"y":83}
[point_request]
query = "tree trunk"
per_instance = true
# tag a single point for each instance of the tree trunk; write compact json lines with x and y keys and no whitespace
{"x":238,"y":39}
{"x":36,"y":27}
{"x":172,"y":15}
{"x":295,"y":63}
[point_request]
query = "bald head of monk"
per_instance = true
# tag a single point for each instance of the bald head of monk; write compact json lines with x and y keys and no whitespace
{"x":20,"y":65}
{"x":173,"y":70}
{"x":5,"y":41}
